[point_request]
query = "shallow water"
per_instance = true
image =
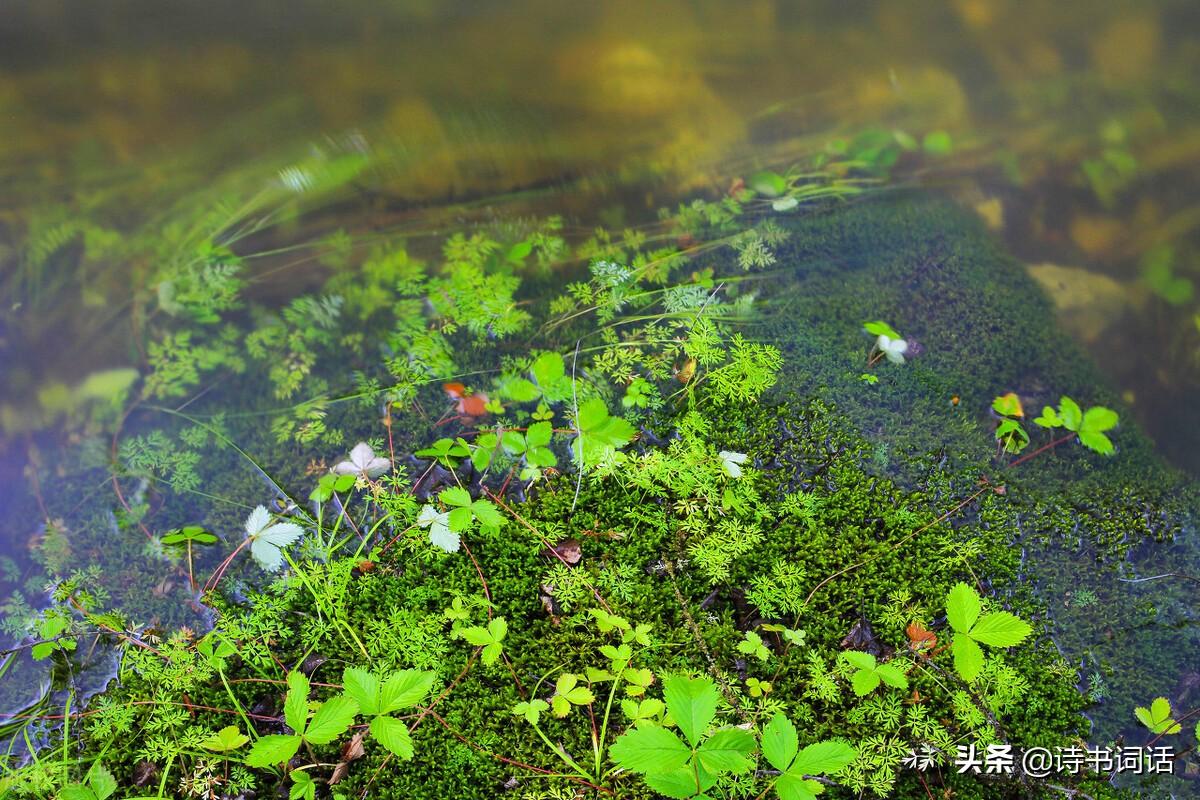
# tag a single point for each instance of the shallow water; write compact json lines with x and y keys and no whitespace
{"x":1074,"y":135}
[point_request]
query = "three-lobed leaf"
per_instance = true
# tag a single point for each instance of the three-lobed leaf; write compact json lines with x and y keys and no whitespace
{"x":692,"y":703}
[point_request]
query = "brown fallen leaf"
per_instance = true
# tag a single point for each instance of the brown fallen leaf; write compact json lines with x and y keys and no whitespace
{"x":352,"y":750}
{"x":568,"y":551}
{"x":919,"y":638}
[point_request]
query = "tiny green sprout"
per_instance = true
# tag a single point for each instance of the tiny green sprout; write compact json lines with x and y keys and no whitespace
{"x":888,"y":343}
{"x":752,"y":645}
{"x":531,"y":710}
{"x":607,"y":622}
{"x":637,"y":681}
{"x":331,"y":484}
{"x":869,"y":673}
{"x":51,"y":630}
{"x":1010,"y":433}
{"x":568,"y":693}
{"x":645,"y":712}
{"x":490,"y":638}
{"x":189,"y":535}
{"x":869,"y":378}
{"x":228,"y":738}
{"x":790,"y":635}
{"x":1158,"y":717}
{"x":638,"y":394}
{"x":1089,"y":425}
{"x":997,"y":629}
{"x":758,"y":688}
{"x":447,"y":452}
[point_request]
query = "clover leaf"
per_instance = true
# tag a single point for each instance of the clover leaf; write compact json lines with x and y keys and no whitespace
{"x":490,"y":638}
{"x":379,"y":697}
{"x":1158,"y":717}
{"x":330,"y":720}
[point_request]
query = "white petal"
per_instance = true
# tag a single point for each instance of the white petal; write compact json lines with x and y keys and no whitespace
{"x":441,"y":536}
{"x":281,"y":534}
{"x":268,"y":556}
{"x":896,"y":357}
{"x":377,"y":466}
{"x":259,"y":518}
{"x":361,"y":455}
{"x":345,"y":468}
{"x":427,"y":517}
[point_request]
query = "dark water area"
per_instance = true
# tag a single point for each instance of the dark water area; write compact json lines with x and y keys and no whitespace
{"x":1070,"y":132}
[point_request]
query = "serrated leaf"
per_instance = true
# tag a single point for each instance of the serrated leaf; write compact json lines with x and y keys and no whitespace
{"x":331,"y":720}
{"x":295,"y":705}
{"x":968,"y":657}
{"x":538,"y":434}
{"x":962,"y":607}
{"x":892,"y":676}
{"x":303,"y":787}
{"x":794,"y":787}
{"x":650,"y":749}
{"x":102,"y":781}
{"x":859,"y":659}
{"x":404,"y":689}
{"x":1094,"y":440}
{"x":1000,"y":629}
{"x":531,"y":710}
{"x":491,"y":653}
{"x":692,"y":703}
{"x":1157,"y":718}
{"x":455,"y":496}
{"x":393,"y":735}
{"x":726,"y":751}
{"x":487,"y":513}
{"x":823,"y":758}
{"x":780,"y":742}
{"x":864,"y":681}
{"x":1070,"y":412}
{"x":363,"y":686}
{"x":677,"y":783}
{"x":76,"y":791}
{"x":226,"y":739}
{"x":271,"y":750}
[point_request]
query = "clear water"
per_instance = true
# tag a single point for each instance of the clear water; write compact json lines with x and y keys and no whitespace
{"x":1075,"y":135}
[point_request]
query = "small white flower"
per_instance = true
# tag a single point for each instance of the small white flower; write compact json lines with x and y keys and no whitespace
{"x":894,"y":349}
{"x":363,"y":461}
{"x":785,"y":204}
{"x":438,"y":523}
{"x":732,"y":462}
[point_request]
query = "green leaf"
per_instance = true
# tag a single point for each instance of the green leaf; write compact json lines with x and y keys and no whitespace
{"x":271,"y":750}
{"x":404,"y":689}
{"x":859,"y":659}
{"x":363,"y":686}
{"x":598,"y":432}
{"x":794,"y":787}
{"x":455,"y":496}
{"x":1070,"y":412}
{"x":780,"y":742}
{"x":823,"y":758}
{"x":1099,"y":418}
{"x":539,"y":434}
{"x":678,"y":783}
{"x":331,"y":720}
{"x":768,"y":183}
{"x":962,"y":607}
{"x":726,"y":751}
{"x":1094,"y":440}
{"x":548,"y":368}
{"x":892,"y":676}
{"x":531,"y":710}
{"x":295,"y":705}
{"x":226,"y":739}
{"x":394,"y":736}
{"x":520,"y":390}
{"x":486,"y":512}
{"x":864,"y":682}
{"x":76,"y":791}
{"x":968,"y":657}
{"x":102,"y":781}
{"x":1158,"y":717}
{"x":880,"y":328}
{"x":692,"y":703}
{"x":649,"y":749}
{"x":1000,"y":629}
{"x":303,"y":787}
